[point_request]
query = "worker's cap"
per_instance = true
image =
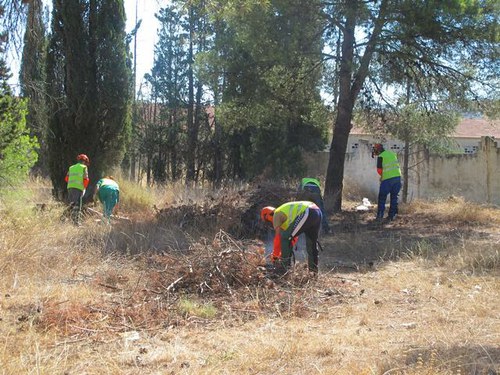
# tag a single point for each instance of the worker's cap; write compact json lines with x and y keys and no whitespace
{"x":378,"y":147}
{"x":84,"y":158}
{"x":266,"y":214}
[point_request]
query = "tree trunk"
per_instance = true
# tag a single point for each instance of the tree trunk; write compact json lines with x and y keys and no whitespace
{"x":191,"y":143}
{"x":349,"y":87}
{"x":132,"y":155}
{"x":406,"y":168}
{"x":335,"y":172}
{"x":342,"y":126}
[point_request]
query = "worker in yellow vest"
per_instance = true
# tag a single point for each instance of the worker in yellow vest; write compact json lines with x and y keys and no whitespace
{"x":77,"y":179}
{"x":290,"y":220}
{"x":108,"y":191}
{"x":310,"y":190}
{"x":390,"y":180}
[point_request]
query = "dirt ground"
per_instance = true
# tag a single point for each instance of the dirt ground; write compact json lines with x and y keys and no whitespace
{"x":358,"y":241}
{"x":187,"y":292}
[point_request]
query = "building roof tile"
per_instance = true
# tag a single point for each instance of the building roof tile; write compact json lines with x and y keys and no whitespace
{"x":467,"y":128}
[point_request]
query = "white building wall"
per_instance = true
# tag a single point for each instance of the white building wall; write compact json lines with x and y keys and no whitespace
{"x":474,"y":175}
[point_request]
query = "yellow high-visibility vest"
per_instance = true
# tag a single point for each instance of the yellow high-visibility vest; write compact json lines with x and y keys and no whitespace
{"x":76,"y":174}
{"x":390,"y":165}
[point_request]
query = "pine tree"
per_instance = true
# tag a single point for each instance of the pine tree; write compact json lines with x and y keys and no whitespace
{"x":271,"y":107}
{"x":445,"y":48}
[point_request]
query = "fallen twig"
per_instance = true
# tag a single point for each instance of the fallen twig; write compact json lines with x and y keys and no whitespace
{"x":117,"y":217}
{"x":109,"y":286}
{"x":172,"y":285}
{"x":68,"y":342}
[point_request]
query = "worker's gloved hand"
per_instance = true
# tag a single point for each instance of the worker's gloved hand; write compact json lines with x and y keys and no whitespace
{"x":293,"y":240}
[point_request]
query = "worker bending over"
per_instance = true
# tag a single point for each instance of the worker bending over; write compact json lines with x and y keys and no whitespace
{"x":290,"y":220}
{"x":310,"y":190}
{"x":108,"y":191}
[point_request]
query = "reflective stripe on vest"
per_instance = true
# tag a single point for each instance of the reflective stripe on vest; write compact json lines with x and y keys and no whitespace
{"x":309,"y":180}
{"x":390,"y":165}
{"x":292,"y":210}
{"x":76,"y":174}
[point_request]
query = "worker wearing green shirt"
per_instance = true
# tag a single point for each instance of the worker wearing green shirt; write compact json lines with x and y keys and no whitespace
{"x":108,"y":193}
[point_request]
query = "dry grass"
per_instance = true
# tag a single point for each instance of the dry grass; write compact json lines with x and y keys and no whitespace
{"x":135,"y":198}
{"x":455,"y":210}
{"x":94,"y":300}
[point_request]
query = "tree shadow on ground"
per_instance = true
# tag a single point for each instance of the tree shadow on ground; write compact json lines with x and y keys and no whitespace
{"x":356,"y":240}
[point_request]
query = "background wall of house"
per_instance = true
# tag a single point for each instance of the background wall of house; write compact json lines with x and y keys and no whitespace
{"x":473,"y":176}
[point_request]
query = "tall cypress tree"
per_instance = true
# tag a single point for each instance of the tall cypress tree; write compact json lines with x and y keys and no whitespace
{"x":32,"y":79}
{"x":89,"y":86}
{"x":168,"y":80}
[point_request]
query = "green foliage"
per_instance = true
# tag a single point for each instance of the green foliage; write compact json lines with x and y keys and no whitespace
{"x":17,"y":147}
{"x":445,"y":49}
{"x":414,"y":124}
{"x":427,"y":128}
{"x":270,"y":110}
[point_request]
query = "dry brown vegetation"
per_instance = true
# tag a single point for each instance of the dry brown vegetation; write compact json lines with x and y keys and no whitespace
{"x":183,"y":289}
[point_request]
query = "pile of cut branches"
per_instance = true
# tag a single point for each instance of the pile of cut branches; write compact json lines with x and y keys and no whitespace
{"x":234,"y":212}
{"x":215,"y":268}
{"x":222,"y":267}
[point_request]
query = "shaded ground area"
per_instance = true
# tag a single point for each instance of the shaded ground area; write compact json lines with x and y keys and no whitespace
{"x":357,"y":240}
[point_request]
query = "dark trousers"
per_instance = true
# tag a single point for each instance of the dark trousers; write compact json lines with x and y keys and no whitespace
{"x":311,"y":229}
{"x":75,"y":203}
{"x":313,"y":194}
{"x":390,"y":186}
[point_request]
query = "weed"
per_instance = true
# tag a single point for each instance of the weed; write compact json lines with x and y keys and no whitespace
{"x":189,"y":307}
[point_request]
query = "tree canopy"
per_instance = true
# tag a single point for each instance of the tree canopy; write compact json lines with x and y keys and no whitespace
{"x":17,"y":147}
{"x":237,"y":89}
{"x":255,"y":70}
{"x":446,"y":49}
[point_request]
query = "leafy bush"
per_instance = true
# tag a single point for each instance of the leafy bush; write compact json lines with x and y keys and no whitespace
{"x":17,"y":147}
